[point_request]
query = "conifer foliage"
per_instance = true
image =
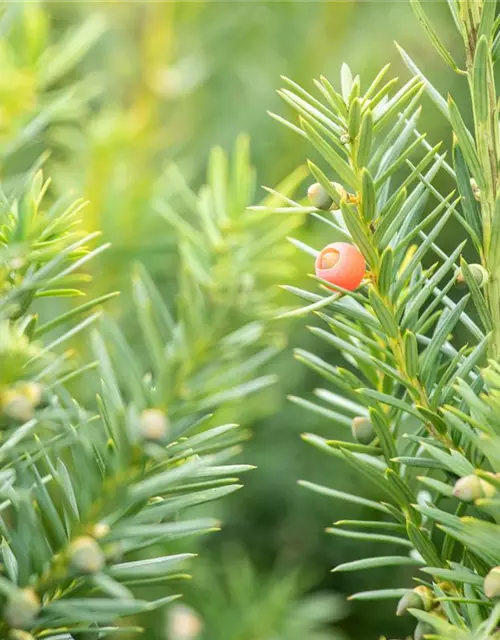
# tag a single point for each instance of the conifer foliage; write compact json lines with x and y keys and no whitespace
{"x":88,"y":492}
{"x":416,"y":407}
{"x":95,"y":494}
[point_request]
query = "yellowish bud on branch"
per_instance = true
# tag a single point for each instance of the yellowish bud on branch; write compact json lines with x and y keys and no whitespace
{"x":492,"y":583}
{"x":85,"y":555}
{"x":153,"y":425}
{"x":22,"y":608}
{"x":16,"y":406}
{"x":184,"y":623}
{"x":100,"y":530}
{"x":470,"y":488}
{"x":20,"y":401}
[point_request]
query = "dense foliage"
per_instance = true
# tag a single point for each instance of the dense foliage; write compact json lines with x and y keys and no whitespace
{"x":95,"y":492}
{"x":422,"y":404}
{"x":121,"y":103}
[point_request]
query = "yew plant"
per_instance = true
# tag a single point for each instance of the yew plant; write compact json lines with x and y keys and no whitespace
{"x":96,"y":501}
{"x":418,"y":329}
{"x":112,"y":449}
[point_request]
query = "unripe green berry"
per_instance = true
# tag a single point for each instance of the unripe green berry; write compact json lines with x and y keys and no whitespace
{"x":479,"y":274}
{"x":19,"y":402}
{"x":419,"y":598}
{"x":21,"y":609}
{"x":471,"y":487}
{"x":468,"y":488}
{"x":319,"y":197}
{"x":17,"y":406}
{"x":153,"y":425}
{"x":184,"y":623}
{"x":85,"y":555}
{"x":492,"y":583}
{"x":362,"y":430}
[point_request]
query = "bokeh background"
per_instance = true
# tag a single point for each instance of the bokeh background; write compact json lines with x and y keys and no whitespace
{"x":116,"y":91}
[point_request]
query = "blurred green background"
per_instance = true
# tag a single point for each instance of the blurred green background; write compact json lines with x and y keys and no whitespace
{"x":117,"y":90}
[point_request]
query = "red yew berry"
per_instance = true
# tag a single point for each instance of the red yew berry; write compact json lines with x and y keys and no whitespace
{"x":341,"y":264}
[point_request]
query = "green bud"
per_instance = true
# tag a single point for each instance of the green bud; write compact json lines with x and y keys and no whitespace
{"x":470,"y":488}
{"x":492,"y":583}
{"x":85,"y":555}
{"x":184,"y":623}
{"x":19,"y":402}
{"x":479,"y":274}
{"x":421,"y":630}
{"x":17,"y":406}
{"x":419,"y":598}
{"x":362,"y":430}
{"x":153,"y":425}
{"x":22,"y":608}
{"x":100,"y":530}
{"x":318,"y":197}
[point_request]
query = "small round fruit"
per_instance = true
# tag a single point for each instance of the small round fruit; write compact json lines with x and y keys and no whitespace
{"x":470,"y":488}
{"x":153,"y":425}
{"x":85,"y":555}
{"x":492,"y":583}
{"x":362,"y":430}
{"x":319,"y":197}
{"x":479,"y":274}
{"x":184,"y":623}
{"x":22,"y":608}
{"x":342,"y":264}
{"x":17,"y":406}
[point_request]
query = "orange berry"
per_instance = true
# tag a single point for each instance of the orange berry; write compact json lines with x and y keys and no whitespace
{"x":341,"y":264}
